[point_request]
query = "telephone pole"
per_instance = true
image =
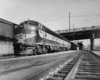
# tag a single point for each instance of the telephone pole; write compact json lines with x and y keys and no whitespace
{"x":69,"y":21}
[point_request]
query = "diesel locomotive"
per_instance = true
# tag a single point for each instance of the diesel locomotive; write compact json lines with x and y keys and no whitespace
{"x":32,"y":37}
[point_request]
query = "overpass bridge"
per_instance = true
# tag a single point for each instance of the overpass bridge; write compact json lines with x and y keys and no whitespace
{"x":81,"y":33}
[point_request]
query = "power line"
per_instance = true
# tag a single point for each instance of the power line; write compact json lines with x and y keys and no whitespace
{"x":76,"y":16}
{"x":72,"y":21}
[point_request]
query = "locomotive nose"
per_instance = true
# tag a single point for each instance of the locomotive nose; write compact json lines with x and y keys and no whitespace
{"x":26,"y":33}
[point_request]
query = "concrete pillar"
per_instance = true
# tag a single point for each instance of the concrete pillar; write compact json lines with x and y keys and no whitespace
{"x":74,"y":39}
{"x":92,"y":40}
{"x":72,"y":46}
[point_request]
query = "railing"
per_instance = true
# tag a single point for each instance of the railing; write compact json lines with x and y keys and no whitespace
{"x":78,"y":29}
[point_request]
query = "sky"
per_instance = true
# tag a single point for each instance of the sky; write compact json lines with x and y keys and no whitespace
{"x":53,"y":13}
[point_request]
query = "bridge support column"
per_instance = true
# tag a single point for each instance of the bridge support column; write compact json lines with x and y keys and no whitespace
{"x":92,"y":41}
{"x":72,"y":46}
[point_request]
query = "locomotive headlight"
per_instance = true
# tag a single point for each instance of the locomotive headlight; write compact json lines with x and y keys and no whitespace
{"x":21,"y":26}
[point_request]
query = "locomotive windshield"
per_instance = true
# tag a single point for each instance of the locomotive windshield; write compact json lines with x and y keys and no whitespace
{"x":29,"y":24}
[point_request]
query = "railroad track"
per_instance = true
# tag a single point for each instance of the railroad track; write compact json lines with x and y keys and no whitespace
{"x":84,"y":67}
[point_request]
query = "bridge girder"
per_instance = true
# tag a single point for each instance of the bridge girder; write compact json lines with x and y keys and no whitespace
{"x":81,"y":35}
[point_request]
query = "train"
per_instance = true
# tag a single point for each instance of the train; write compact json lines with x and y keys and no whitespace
{"x":30,"y":38}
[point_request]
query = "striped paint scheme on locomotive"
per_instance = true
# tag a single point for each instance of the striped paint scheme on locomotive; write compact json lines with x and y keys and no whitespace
{"x":32,"y":33}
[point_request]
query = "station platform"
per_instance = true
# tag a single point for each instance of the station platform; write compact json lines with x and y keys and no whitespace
{"x":37,"y":67}
{"x":96,"y":52}
{"x":52,"y":66}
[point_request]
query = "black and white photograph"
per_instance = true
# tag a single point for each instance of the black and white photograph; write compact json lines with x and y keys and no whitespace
{"x":49,"y":39}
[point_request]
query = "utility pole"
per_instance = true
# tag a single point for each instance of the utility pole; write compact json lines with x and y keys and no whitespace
{"x":69,"y":21}
{"x":73,"y":35}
